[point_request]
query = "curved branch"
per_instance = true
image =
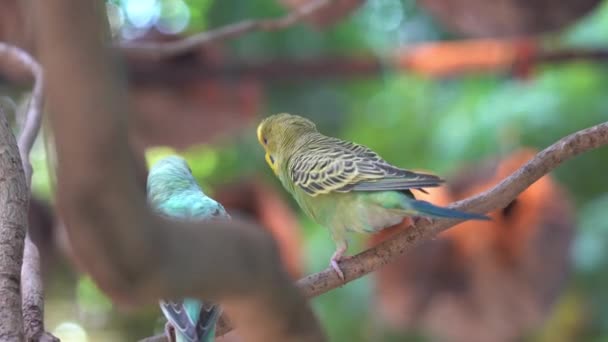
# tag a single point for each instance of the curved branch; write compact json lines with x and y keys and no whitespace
{"x":501,"y":195}
{"x":498,"y":197}
{"x":31,"y":125}
{"x":32,"y":288}
{"x":133,"y":255}
{"x":33,"y":116}
{"x":158,"y":51}
{"x":495,"y":198}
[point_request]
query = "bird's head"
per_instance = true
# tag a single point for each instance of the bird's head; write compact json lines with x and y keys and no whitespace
{"x":169,"y":176}
{"x":278,"y":134}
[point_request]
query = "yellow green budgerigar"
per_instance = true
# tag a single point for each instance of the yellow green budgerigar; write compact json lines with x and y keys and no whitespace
{"x":344,"y":186}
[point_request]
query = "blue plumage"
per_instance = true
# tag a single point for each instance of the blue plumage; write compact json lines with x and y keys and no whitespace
{"x":173,"y":192}
{"x":432,"y":210}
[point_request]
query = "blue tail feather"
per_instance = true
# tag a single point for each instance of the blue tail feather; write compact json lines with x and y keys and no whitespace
{"x":428,"y":209}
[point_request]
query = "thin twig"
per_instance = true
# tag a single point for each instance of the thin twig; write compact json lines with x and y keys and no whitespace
{"x":158,"y":51}
{"x":31,"y":278}
{"x":498,"y":197}
{"x":33,"y":116}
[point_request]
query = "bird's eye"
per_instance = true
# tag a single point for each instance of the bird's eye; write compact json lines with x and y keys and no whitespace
{"x":265,"y":141}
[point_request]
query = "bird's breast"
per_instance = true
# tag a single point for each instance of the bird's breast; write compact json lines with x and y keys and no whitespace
{"x":352,"y":212}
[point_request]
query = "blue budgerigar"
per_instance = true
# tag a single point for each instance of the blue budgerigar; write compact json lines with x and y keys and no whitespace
{"x":174,"y":193}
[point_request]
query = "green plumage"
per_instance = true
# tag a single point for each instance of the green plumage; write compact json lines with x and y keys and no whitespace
{"x":328,"y":165}
{"x":344,"y":186}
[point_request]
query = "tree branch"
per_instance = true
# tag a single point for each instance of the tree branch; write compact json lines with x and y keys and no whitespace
{"x":158,"y":51}
{"x":33,"y":116}
{"x":348,"y":67}
{"x":13,"y":220}
{"x":496,"y":198}
{"x":131,"y":253}
{"x":32,"y":289}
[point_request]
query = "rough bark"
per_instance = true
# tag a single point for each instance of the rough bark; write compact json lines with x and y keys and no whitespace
{"x":13,"y":219}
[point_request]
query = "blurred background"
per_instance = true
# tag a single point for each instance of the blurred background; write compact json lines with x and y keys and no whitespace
{"x":466,"y":89}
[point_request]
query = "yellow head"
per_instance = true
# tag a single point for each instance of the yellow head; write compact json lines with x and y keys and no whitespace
{"x":279,"y":136}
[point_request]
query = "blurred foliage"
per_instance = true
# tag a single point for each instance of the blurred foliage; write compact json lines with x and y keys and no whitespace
{"x":92,"y":303}
{"x":413,"y":121}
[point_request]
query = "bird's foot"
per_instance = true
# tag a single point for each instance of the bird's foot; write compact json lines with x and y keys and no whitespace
{"x":169,"y":332}
{"x":334,"y":264}
{"x":335,"y":259}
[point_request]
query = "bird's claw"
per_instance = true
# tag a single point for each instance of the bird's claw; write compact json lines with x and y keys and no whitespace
{"x":334,"y":264}
{"x":169,"y":332}
{"x":336,"y":257}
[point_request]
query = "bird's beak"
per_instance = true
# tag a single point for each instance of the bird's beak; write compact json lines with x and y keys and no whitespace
{"x":271,"y":164}
{"x":259,"y":134}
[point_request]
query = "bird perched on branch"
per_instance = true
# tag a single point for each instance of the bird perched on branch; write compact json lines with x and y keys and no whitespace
{"x":174,"y":193}
{"x":341,"y":185}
